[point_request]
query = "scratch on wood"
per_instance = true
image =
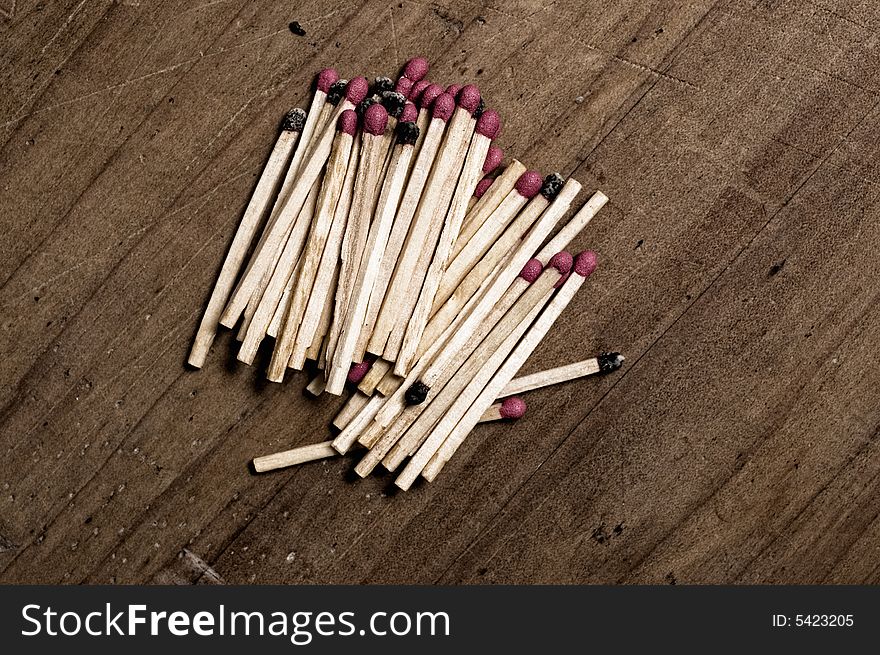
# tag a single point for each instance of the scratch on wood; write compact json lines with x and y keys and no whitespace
{"x":63,"y":27}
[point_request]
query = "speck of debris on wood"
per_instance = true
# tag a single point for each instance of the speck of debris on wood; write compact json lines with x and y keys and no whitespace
{"x":297,"y":29}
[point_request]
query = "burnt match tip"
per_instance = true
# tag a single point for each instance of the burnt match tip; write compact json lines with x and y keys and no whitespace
{"x":337,"y":90}
{"x":469,"y":97}
{"x":532,"y":270}
{"x":489,"y":124}
{"x":375,"y":120}
{"x":453,"y":90}
{"x":562,"y":262}
{"x":358,"y":371}
{"x":393,"y":102}
{"x":347,"y":122}
{"x":494,"y":156}
{"x":327,"y":78}
{"x":610,"y":362}
{"x":407,"y":133}
{"x":443,"y":107}
{"x":409,"y":114}
{"x":294,"y":120}
{"x":357,"y":89}
{"x":552,"y":186}
{"x":382,"y":83}
{"x":513,"y":408}
{"x":429,"y":95}
{"x":483,"y":186}
{"x":404,"y":85}
{"x":480,"y":108}
{"x":585,"y":263}
{"x":416,"y":68}
{"x":529,"y":184}
{"x":366,"y":103}
{"x":415,"y":93}
{"x":417,"y":393}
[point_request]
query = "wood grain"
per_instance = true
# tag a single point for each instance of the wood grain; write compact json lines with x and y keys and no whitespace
{"x":737,"y":141}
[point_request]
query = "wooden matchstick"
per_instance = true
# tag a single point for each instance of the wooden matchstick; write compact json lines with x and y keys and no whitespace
{"x":316,"y":349}
{"x":604,"y":363}
{"x":372,"y":258}
{"x":350,"y":409}
{"x":487,"y":128}
{"x":509,"y":409}
{"x":371,"y":380}
{"x":493,"y":196}
{"x":425,"y":99}
{"x":316,"y":386}
{"x":266,"y":190}
{"x":433,"y":460}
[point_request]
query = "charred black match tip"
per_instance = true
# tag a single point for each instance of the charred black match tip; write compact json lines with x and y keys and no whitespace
{"x":336,"y":91}
{"x":480,"y":109}
{"x":552,"y":186}
{"x":393,"y":102}
{"x":610,"y":362}
{"x":294,"y":120}
{"x":417,"y":393}
{"x":366,"y":103}
{"x":407,"y":133}
{"x":382,"y":83}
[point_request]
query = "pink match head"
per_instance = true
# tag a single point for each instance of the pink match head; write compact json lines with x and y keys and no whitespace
{"x":489,"y":124}
{"x":375,"y":119}
{"x":586,"y":263}
{"x":493,"y":159}
{"x":326,"y":78}
{"x":443,"y":107}
{"x":415,"y":93}
{"x":430,"y":94}
{"x":532,"y":270}
{"x":453,"y":90}
{"x":404,"y":85}
{"x":416,"y":68}
{"x":409,"y":113}
{"x":512,"y":408}
{"x":357,"y":372}
{"x":529,"y":184}
{"x":562,"y":262}
{"x":357,"y":90}
{"x":483,"y":186}
{"x":347,"y":122}
{"x":469,"y":97}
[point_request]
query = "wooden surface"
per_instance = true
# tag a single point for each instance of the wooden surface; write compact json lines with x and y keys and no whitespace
{"x":737,"y":140}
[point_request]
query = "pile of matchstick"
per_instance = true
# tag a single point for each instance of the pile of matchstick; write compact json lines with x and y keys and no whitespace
{"x":385,"y":243}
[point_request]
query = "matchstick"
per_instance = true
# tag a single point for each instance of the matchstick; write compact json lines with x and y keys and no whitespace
{"x":350,"y":409}
{"x":509,"y":409}
{"x":316,"y":386}
{"x":428,"y":221}
{"x":274,"y":238}
{"x":477,"y":403}
{"x":325,"y":80}
{"x":374,"y":251}
{"x":316,"y":350}
{"x":493,"y":196}
{"x":267,"y":188}
{"x":604,"y":363}
{"x":487,"y":128}
{"x":374,"y":376}
{"x":442,"y":109}
{"x":328,"y":198}
{"x":425,"y":99}
{"x":416,"y":68}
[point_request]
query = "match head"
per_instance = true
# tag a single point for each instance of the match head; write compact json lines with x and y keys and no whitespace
{"x":529,"y":184}
{"x":453,"y":90}
{"x":480,"y":108}
{"x":562,"y":262}
{"x":610,"y":362}
{"x":347,"y":122}
{"x":512,"y":408}
{"x":415,"y":93}
{"x":552,"y":186}
{"x":483,"y":186}
{"x":443,"y":107}
{"x":532,"y":270}
{"x":357,"y":372}
{"x":416,"y":68}
{"x":366,"y":103}
{"x":294,"y":120}
{"x":429,"y":95}
{"x":357,"y":89}
{"x":407,"y":133}
{"x":469,"y":98}
{"x":493,"y":159}
{"x":375,"y":120}
{"x":337,"y":90}
{"x":393,"y":102}
{"x":585,"y":263}
{"x":417,"y":393}
{"x":404,"y":86}
{"x":489,"y":124}
{"x":409,"y":113}
{"x":382,"y":83}
{"x":326,"y":78}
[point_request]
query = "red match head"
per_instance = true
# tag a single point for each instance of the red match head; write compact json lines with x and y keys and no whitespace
{"x":404,"y":85}
{"x":489,"y":124}
{"x":529,"y":184}
{"x":532,"y":270}
{"x":493,"y":159}
{"x":416,"y":68}
{"x":483,"y":186}
{"x":586,"y":263}
{"x":375,"y":119}
{"x":443,"y":107}
{"x":357,"y":372}
{"x":415,"y":93}
{"x":347,"y":122}
{"x":357,"y":90}
{"x":469,"y":97}
{"x":453,"y":90}
{"x":562,"y":262}
{"x":429,"y":95}
{"x":326,"y":78}
{"x":409,"y":113}
{"x":512,"y":408}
